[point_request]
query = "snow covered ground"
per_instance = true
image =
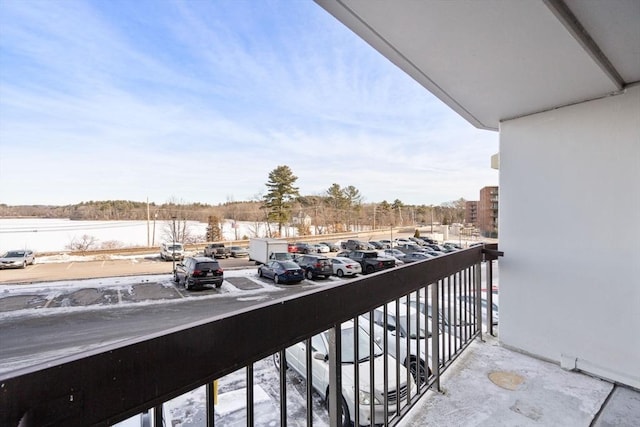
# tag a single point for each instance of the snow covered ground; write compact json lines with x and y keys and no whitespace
{"x":50,"y":235}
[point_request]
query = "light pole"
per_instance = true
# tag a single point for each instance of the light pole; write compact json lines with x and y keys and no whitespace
{"x":173,"y":248}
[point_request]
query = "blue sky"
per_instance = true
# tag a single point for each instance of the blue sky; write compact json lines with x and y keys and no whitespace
{"x":197,"y":101}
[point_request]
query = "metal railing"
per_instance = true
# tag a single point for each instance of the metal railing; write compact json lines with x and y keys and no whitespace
{"x":106,"y":386}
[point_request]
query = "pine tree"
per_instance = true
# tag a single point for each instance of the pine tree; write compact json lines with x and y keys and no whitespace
{"x":281,"y":193}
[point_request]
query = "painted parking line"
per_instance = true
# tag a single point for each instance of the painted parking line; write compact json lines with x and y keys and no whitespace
{"x":69,"y":266}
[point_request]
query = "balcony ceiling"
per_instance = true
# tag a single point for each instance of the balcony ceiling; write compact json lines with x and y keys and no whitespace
{"x":494,"y":60}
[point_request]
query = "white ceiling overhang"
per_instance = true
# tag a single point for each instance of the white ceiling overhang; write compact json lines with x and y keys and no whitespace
{"x":494,"y":60}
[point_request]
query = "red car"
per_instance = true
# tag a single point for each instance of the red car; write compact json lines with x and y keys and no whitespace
{"x":292,"y":248}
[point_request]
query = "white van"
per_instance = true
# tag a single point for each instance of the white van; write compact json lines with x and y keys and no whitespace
{"x":172,"y":251}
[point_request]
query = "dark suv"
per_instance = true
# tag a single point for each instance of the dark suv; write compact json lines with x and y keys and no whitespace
{"x":196,"y":272}
{"x":315,"y":266}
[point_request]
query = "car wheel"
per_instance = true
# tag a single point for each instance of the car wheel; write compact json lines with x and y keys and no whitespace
{"x":24,"y":264}
{"x":176,"y":279}
{"x":418,"y":370}
{"x":218,"y":285}
{"x":187,"y":286}
{"x":276,"y":279}
{"x":259,"y":272}
{"x":340,"y":273}
{"x":370,"y":269}
{"x":309,"y":275}
{"x":345,"y":419}
{"x":276,"y":361}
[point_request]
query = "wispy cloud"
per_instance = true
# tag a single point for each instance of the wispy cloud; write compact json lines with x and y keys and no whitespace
{"x":128,"y":100}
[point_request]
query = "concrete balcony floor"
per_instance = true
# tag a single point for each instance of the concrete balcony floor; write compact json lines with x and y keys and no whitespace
{"x":490,"y":385}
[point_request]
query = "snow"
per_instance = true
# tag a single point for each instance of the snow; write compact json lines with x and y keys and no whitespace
{"x":50,"y":235}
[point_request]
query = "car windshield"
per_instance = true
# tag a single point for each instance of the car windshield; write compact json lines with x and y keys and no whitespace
{"x":348,"y":353}
{"x":14,"y":254}
{"x":414,"y":333}
{"x":175,"y":247}
{"x":207,"y":266}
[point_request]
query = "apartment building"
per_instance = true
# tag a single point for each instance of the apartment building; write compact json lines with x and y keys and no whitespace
{"x":487,"y":212}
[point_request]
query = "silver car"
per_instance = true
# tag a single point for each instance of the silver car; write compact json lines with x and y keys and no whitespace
{"x":17,"y":259}
{"x":296,"y":360}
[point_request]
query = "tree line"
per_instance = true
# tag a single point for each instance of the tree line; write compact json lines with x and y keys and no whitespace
{"x":338,"y":209}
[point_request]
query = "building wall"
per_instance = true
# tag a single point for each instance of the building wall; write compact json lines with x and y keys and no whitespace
{"x":488,"y":212}
{"x":570,"y":232}
{"x":471,"y":212}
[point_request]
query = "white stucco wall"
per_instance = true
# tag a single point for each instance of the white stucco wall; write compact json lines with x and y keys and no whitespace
{"x":570,"y":232}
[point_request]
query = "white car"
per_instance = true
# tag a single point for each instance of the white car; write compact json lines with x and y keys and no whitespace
{"x":343,"y":266}
{"x":405,"y":324}
{"x":454,"y":319}
{"x":321,"y":249}
{"x":296,"y":360}
{"x":172,"y":251}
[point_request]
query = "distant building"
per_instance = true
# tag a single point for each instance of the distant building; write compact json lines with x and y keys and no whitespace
{"x":471,"y":212}
{"x":488,"y":212}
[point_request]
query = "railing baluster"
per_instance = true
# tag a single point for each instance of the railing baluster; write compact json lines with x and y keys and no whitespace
{"x":335,"y":375}
{"x":489,"y":265}
{"x":158,"y":417}
{"x":250,"y":415}
{"x":209,"y":396}
{"x":356,"y":371}
{"x":283,"y":388}
{"x":435,"y":343}
{"x":309,"y":365}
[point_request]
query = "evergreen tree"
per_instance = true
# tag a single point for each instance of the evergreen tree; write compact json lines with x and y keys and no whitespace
{"x":281,"y":193}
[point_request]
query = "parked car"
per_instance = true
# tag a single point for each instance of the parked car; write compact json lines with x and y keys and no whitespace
{"x":345,"y":267}
{"x":398,"y":383}
{"x":382,"y":254}
{"x":172,"y":251}
{"x":17,"y":259}
{"x":403,"y":241}
{"x":437,"y":248}
{"x":282,"y":271}
{"x":282,"y":256}
{"x":428,"y":240}
{"x":354,"y":245}
{"x":403,"y":324}
{"x":292,"y":248}
{"x":320,"y":248}
{"x":370,"y":261}
{"x":417,"y":241}
{"x":238,"y":251}
{"x":315,"y":266}
{"x":408,"y":248}
{"x":454,"y":246}
{"x":304,"y":248}
{"x":217,"y":250}
{"x":415,"y":256}
{"x":332,"y":246}
{"x":197,"y":272}
{"x":470,"y":299}
{"x":393,"y":252}
{"x":387,"y":243}
{"x":376,"y":244}
{"x":452,"y":319}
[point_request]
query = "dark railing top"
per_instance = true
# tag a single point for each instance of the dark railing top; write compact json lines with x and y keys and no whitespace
{"x":107,"y":385}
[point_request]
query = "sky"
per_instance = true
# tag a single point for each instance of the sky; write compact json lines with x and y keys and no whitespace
{"x":197,"y":101}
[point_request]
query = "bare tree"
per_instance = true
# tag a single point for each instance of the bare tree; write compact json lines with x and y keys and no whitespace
{"x":83,"y":244}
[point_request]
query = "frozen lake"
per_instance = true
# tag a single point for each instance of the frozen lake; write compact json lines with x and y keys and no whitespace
{"x":50,"y":235}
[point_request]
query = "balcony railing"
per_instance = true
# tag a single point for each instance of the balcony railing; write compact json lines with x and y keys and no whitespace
{"x":106,"y":386}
